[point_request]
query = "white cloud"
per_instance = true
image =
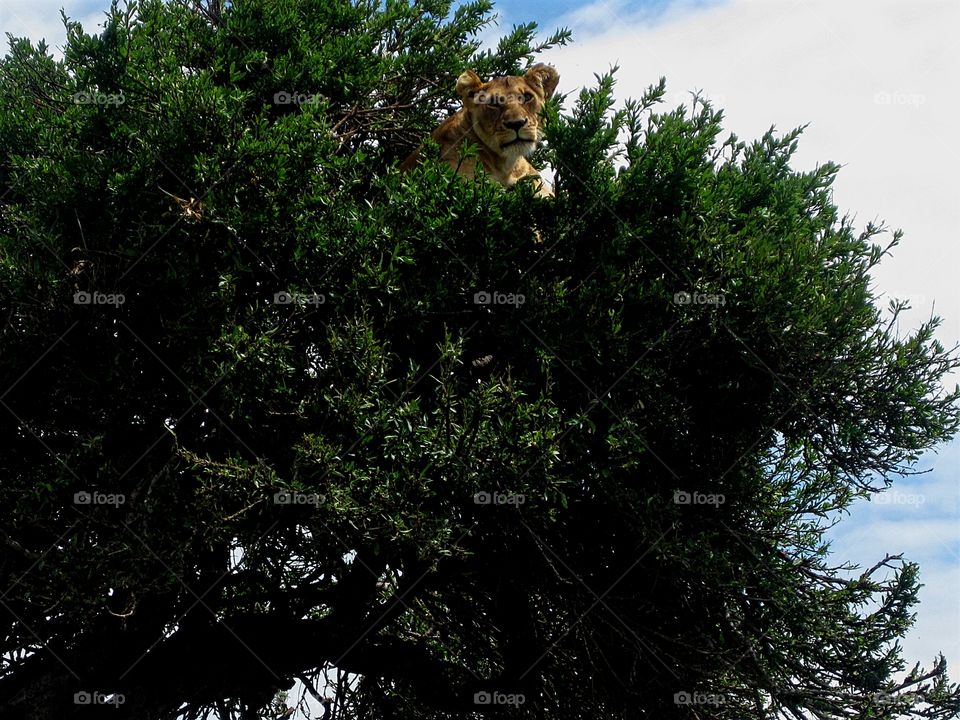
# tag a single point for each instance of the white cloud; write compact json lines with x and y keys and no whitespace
{"x":919,"y":517}
{"x":934,"y":545}
{"x":593,"y":18}
{"x":874,"y":78}
{"x":40,"y":19}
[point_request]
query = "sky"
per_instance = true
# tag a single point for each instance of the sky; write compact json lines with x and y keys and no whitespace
{"x":876,"y":81}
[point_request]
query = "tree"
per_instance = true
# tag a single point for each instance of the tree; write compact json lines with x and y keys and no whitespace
{"x":270,"y":407}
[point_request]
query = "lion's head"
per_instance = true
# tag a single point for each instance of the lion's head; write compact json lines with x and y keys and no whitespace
{"x":505,"y":112}
{"x":502,"y":119}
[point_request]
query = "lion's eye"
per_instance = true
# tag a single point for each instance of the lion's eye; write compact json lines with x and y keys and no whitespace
{"x":526,"y":97}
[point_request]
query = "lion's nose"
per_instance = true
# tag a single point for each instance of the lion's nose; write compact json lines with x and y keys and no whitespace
{"x":515,"y":124}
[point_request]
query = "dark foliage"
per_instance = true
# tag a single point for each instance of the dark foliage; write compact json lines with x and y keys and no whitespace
{"x":270,"y":458}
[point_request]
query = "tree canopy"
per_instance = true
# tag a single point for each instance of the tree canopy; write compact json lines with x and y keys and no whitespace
{"x":271,"y":407}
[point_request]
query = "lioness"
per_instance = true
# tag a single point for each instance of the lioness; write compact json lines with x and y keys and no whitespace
{"x":502,"y":118}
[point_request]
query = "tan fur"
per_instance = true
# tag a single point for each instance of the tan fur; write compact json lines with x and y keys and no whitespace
{"x":500,"y":117}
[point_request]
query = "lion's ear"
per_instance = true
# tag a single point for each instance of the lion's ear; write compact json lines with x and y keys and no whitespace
{"x":545,"y":77}
{"x":467,"y":84}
